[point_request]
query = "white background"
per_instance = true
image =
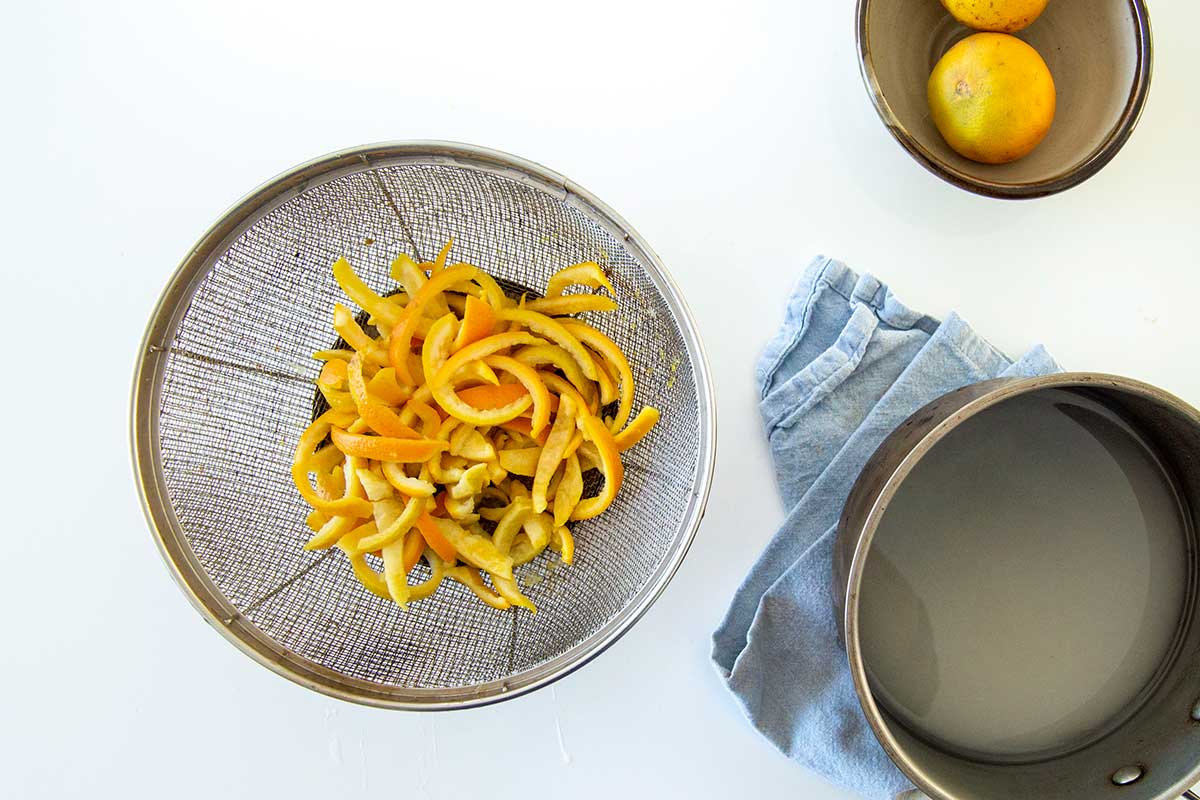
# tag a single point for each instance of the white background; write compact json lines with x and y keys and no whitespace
{"x":736,"y":137}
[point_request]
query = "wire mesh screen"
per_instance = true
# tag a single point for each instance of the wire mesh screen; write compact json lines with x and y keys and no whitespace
{"x":238,"y":390}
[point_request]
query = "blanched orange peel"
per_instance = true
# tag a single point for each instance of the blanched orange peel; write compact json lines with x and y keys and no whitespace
{"x":465,"y":410}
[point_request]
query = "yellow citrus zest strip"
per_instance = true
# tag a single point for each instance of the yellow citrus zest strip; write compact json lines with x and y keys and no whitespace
{"x":403,"y":331}
{"x":384,"y":386}
{"x":571,"y":304}
{"x":610,"y":465}
{"x":397,"y":523}
{"x":431,"y":421}
{"x":552,"y":454}
{"x":555,"y":356}
{"x":570,"y":490}
{"x":478,"y":322}
{"x":378,"y":417}
{"x":636,"y":430}
{"x":607,"y":348}
{"x":528,"y":377}
{"x":407,"y":486}
{"x":382,"y":309}
{"x":313,"y":436}
{"x":369,"y":578}
{"x":434,"y":538}
{"x":587,"y":274}
{"x":356,"y":337}
{"x":472,"y":580}
{"x":521,"y":461}
{"x":564,"y":544}
{"x":439,"y":344}
{"x":554,"y":331}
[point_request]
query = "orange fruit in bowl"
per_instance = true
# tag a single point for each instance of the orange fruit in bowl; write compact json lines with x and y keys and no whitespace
{"x":1004,"y":16}
{"x":992,"y":98}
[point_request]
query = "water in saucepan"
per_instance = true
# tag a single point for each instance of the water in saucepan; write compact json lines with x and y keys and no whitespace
{"x":1025,"y":582}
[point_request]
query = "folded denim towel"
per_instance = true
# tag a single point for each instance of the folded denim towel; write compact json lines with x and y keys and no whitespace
{"x":849,"y":365}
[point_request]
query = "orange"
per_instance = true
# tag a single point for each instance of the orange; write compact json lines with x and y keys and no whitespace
{"x":992,"y":98}
{"x":1005,"y":16}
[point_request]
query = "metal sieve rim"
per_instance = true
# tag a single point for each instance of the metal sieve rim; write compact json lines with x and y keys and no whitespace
{"x":145,"y":444}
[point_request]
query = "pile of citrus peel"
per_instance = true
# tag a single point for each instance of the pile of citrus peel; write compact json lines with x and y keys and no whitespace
{"x":460,"y":425}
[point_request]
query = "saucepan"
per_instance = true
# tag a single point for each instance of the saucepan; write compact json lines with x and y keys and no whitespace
{"x":1019,"y":620}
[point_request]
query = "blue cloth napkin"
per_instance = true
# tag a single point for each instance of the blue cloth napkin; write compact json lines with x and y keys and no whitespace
{"x":849,"y":365}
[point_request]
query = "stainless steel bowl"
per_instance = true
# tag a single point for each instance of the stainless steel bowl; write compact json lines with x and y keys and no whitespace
{"x":1155,"y":753}
{"x":225,"y":384}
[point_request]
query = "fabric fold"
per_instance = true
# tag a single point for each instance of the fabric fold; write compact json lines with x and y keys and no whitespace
{"x":849,"y":364}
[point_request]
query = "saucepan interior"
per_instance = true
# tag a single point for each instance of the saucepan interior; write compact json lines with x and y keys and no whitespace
{"x":1150,"y":748}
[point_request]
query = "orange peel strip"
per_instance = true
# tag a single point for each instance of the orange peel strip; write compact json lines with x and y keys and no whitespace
{"x":470,"y":577}
{"x":403,"y":331}
{"x":472,"y":548}
{"x":439,"y":344}
{"x":554,"y":331}
{"x":414,"y":546}
{"x":379,"y":417}
{"x":571,"y":304}
{"x":587,"y":274}
{"x":434,"y":538}
{"x":346,"y":327}
{"x":489,"y":397}
{"x":610,"y":465}
{"x":448,"y":398}
{"x":385,"y":448}
{"x":552,"y":454}
{"x":533,"y":384}
{"x":612,"y":354}
{"x":555,"y":356}
{"x":313,"y":436}
{"x":382,"y":309}
{"x":637,"y":429}
{"x":478,"y":322}
{"x":477,"y":351}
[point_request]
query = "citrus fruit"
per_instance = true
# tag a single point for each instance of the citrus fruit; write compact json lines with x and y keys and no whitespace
{"x":1005,"y":16}
{"x":992,"y":98}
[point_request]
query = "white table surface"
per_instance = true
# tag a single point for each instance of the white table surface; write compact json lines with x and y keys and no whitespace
{"x":736,"y":137}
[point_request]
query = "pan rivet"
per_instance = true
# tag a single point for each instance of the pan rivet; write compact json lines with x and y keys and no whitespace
{"x":1127,"y":775}
{"x":1196,"y":711}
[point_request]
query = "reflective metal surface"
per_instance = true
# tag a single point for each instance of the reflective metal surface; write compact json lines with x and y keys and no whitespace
{"x":1161,"y":737}
{"x":225,"y":384}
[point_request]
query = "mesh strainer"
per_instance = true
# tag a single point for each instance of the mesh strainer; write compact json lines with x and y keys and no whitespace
{"x":225,"y":385}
